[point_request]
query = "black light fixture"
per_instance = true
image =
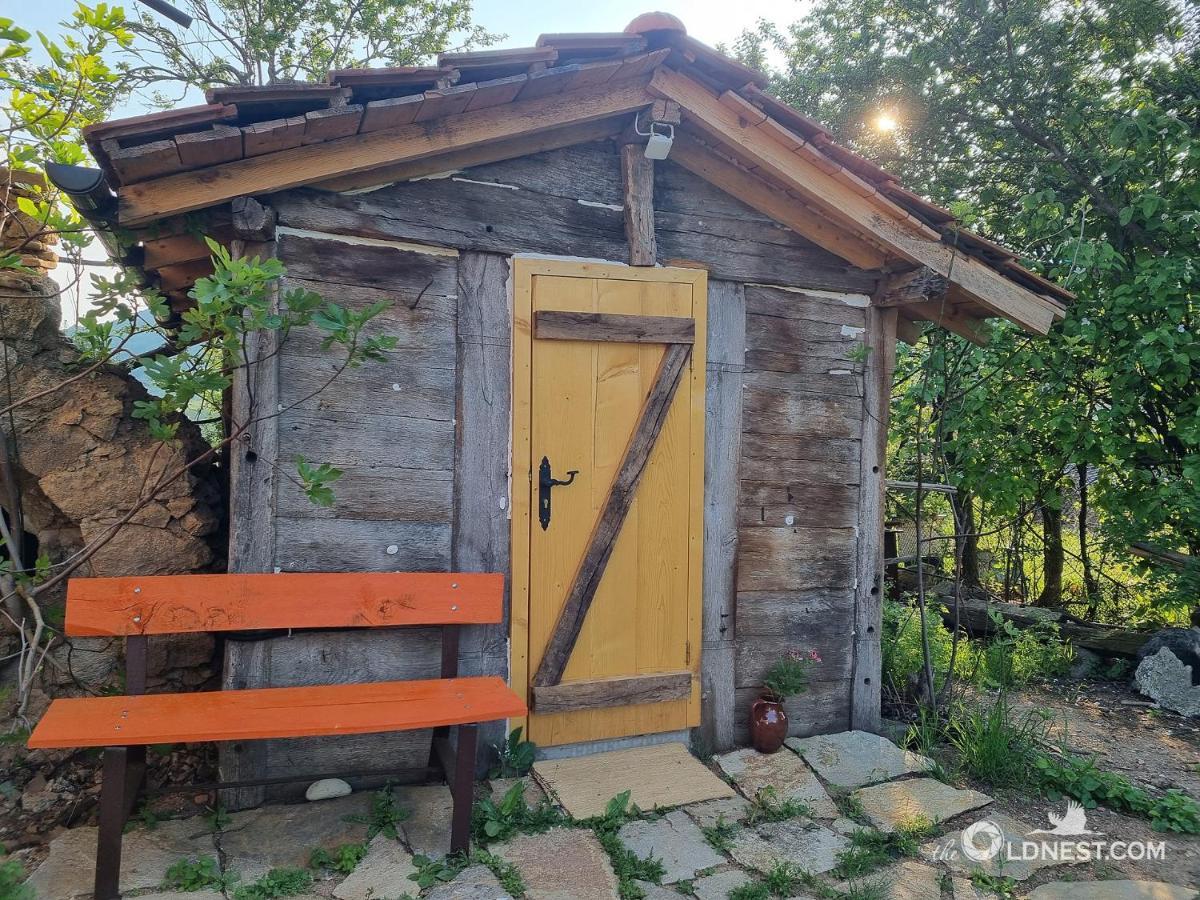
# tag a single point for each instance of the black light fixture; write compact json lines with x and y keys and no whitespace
{"x":166,"y":9}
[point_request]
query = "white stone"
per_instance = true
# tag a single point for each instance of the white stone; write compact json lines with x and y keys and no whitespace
{"x":327,"y":789}
{"x":853,"y":759}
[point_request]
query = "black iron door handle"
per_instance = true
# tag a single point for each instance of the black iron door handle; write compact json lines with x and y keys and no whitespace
{"x":546,"y":482}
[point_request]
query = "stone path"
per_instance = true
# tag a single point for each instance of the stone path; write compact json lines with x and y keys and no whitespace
{"x":846,"y":783}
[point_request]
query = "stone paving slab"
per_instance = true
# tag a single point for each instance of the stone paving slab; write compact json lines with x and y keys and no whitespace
{"x":906,"y":880}
{"x":676,"y":840}
{"x":186,"y":895}
{"x":964,"y":889}
{"x":294,"y":831}
{"x":472,"y":883}
{"x":1112,"y":890}
{"x":561,"y":864}
{"x":717,"y":887}
{"x":383,"y":872}
{"x":656,"y":891}
{"x":854,"y":759}
{"x":895,"y":803}
{"x":948,"y":849}
{"x":784,"y":771}
{"x":429,"y":807}
{"x":804,"y":844}
{"x":70,"y":868}
{"x":707,"y":814}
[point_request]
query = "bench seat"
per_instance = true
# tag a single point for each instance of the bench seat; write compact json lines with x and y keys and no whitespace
{"x":363,"y":708}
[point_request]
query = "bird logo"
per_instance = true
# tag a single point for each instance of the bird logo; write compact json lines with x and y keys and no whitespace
{"x":1072,"y":822}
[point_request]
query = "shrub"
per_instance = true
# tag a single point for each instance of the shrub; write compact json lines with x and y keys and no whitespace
{"x":991,"y":745}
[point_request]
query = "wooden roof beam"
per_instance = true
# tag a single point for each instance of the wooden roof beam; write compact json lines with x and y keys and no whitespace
{"x":299,"y":166}
{"x":873,"y":215}
{"x":915,"y":286}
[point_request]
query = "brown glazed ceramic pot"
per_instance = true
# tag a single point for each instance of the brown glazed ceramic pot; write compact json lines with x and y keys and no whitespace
{"x":768,"y":725}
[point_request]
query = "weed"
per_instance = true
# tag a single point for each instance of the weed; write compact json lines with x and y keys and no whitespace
{"x":145,"y":817}
{"x":755,"y":890}
{"x":1000,"y":885}
{"x":340,"y":859}
{"x":506,"y":873}
{"x":514,"y":757}
{"x":867,"y":890}
{"x":276,"y":883}
{"x":849,"y":806}
{"x":718,"y":835}
{"x":783,"y":880}
{"x":869,"y":850}
{"x":628,"y":867}
{"x":767,"y":807}
{"x":11,"y":876}
{"x":495,"y":821}
{"x":385,"y":815}
{"x":431,"y":872}
{"x":992,"y":746}
{"x":196,"y":874}
{"x":218,"y":818}
{"x":924,"y":735}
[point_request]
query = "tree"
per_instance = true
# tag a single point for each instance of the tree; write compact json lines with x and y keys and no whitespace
{"x":234,"y":42}
{"x":1070,"y":132}
{"x":191,"y":356}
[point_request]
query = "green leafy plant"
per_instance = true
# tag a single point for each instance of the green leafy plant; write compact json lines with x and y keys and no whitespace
{"x":276,"y":883}
{"x":385,"y":815}
{"x":196,"y":875}
{"x":434,"y":871}
{"x":719,"y":834}
{"x":788,"y":676}
{"x":514,"y":757}
{"x":783,"y":879}
{"x":767,"y":807}
{"x":218,"y":818}
{"x":506,"y":873}
{"x":628,"y":866}
{"x":992,"y":744}
{"x":755,"y":890}
{"x":341,"y":859}
{"x":1000,"y":885}
{"x":871,"y":849}
{"x":315,"y":480}
{"x":11,"y":877}
{"x":495,"y":821}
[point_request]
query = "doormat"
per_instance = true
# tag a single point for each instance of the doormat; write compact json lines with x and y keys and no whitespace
{"x":659,"y":775}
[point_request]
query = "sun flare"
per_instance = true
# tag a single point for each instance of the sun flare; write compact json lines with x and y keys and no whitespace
{"x":886,"y":122}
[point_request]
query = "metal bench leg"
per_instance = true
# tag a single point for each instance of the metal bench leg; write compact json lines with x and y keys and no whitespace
{"x":114,"y":795}
{"x":463,"y":788}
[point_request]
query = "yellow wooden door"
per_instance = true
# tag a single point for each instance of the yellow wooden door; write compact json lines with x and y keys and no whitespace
{"x":576,"y":403}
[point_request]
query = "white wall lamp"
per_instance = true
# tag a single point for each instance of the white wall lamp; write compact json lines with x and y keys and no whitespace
{"x":658,"y":143}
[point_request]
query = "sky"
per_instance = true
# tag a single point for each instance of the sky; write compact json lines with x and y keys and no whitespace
{"x":711,"y":21}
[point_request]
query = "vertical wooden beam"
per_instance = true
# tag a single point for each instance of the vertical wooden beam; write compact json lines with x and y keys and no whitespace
{"x":722,"y":451}
{"x":480,"y":536}
{"x":880,"y":339}
{"x":252,"y":496}
{"x":637,"y":174}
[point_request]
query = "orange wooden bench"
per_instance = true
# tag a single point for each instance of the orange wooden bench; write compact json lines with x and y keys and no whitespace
{"x":135,"y":608}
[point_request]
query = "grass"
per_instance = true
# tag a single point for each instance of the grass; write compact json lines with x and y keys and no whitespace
{"x":341,"y":859}
{"x":992,"y":745}
{"x":276,"y":883}
{"x":719,"y":834}
{"x":385,"y":815}
{"x":767,"y":807}
{"x":870,"y":849}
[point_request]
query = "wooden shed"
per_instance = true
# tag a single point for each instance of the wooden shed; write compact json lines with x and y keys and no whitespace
{"x":654,"y":391}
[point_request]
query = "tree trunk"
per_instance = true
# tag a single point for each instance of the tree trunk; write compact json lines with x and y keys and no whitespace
{"x":1052,"y":553}
{"x":1090,"y":585}
{"x":963,"y":503}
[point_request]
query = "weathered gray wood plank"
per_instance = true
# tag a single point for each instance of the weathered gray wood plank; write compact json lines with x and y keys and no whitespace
{"x":637,"y":176}
{"x":252,"y":501}
{"x":726,"y":342}
{"x":868,"y":653}
{"x":381,"y":493}
{"x":826,"y":636}
{"x":763,"y":300}
{"x":822,"y":709}
{"x":783,"y":504}
{"x":561,"y":325}
{"x":800,"y":415}
{"x":480,"y":540}
{"x":361,"y":545}
{"x":792,"y":612}
{"x":794,"y":559}
{"x":414,"y":383}
{"x":344,"y":439}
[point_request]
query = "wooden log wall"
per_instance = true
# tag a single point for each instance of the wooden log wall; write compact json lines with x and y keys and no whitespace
{"x":423,"y":437}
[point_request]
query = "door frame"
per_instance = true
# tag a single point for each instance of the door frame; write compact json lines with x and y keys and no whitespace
{"x":524,"y":269}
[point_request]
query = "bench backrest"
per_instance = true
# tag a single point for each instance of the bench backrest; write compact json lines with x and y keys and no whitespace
{"x":176,"y":604}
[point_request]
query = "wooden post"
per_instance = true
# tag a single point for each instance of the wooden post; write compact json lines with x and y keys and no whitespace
{"x":722,"y":452}
{"x":252,"y":496}
{"x":880,"y":340}
{"x":637,"y":174}
{"x":480,"y":538}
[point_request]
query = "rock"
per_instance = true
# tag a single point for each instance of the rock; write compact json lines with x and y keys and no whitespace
{"x":472,"y":883}
{"x":561,"y":864}
{"x":853,"y":759}
{"x":676,"y":840}
{"x":534,"y":795}
{"x":719,"y":886}
{"x":1168,"y":680}
{"x":327,"y":789}
{"x":1184,"y":643}
{"x":294,"y":831}
{"x":906,"y":880}
{"x":785,"y":772}
{"x":383,"y":872}
{"x":654,"y":891}
{"x":805,"y":845}
{"x":186,"y":895}
{"x":949,"y":849}
{"x":708,"y":813}
{"x":964,"y":889}
{"x":1086,"y":664}
{"x":1111,"y":890}
{"x":847,"y":826}
{"x":915,"y":800}
{"x":69,"y":869}
{"x":427,"y":828}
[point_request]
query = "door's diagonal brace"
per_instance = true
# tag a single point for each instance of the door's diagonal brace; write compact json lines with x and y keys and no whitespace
{"x":616,"y":508}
